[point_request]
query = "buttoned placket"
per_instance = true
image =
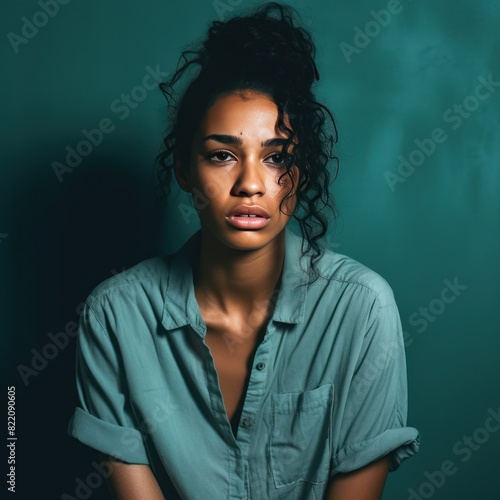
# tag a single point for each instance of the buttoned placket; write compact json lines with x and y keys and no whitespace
{"x":254,"y":393}
{"x":239,"y":446}
{"x":253,"y":398}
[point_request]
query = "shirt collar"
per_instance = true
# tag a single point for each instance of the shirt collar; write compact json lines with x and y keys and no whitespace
{"x":181,"y":307}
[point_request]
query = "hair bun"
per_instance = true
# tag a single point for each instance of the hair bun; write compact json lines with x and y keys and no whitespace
{"x":265,"y":45}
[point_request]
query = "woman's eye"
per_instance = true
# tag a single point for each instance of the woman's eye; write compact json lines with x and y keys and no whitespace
{"x":277,"y":159}
{"x":220,"y":156}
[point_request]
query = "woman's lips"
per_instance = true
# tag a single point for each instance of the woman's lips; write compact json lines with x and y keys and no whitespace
{"x":247,"y":222}
{"x":248,"y":217}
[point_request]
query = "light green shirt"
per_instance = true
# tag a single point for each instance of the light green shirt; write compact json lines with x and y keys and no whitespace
{"x":327,"y":391}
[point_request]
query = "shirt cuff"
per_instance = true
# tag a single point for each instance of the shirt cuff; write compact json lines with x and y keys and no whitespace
{"x":124,"y":443}
{"x":400,"y":443}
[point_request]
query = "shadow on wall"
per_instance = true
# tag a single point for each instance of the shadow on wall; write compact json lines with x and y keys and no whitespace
{"x":71,"y":236}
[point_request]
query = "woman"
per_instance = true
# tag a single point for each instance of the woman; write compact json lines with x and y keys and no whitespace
{"x":251,"y":363}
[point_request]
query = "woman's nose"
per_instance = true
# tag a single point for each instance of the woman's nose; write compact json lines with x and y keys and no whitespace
{"x":250,"y":178}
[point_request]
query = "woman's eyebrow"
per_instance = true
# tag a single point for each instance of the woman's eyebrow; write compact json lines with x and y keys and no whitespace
{"x":232,"y":139}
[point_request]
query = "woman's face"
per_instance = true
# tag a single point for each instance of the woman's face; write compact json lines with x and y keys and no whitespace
{"x":236,"y":161}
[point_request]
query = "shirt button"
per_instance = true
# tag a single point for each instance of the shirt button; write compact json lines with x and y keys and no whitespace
{"x":260,"y":366}
{"x":246,"y":422}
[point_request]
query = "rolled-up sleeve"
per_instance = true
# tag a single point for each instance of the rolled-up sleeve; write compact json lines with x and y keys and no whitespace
{"x":375,"y":404}
{"x":104,"y":421}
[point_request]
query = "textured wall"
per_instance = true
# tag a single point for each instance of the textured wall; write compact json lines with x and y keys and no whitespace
{"x":415,"y":88}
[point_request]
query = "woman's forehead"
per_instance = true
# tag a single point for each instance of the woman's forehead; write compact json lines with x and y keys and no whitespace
{"x":245,"y":114}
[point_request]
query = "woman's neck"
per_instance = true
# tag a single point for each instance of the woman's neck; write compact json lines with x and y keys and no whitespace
{"x":235,"y":282}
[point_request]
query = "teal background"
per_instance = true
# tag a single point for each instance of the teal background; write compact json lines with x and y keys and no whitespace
{"x":59,"y":239}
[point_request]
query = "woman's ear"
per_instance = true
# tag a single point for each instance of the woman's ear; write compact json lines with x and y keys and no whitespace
{"x":181,"y":174}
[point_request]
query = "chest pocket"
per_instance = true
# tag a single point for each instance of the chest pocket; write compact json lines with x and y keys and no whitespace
{"x":301,"y":445}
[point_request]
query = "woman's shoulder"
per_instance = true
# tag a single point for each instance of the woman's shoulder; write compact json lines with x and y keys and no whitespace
{"x":145,"y":277}
{"x":342,"y":270}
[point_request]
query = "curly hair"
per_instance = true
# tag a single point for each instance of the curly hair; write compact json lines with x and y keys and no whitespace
{"x":268,"y":53}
